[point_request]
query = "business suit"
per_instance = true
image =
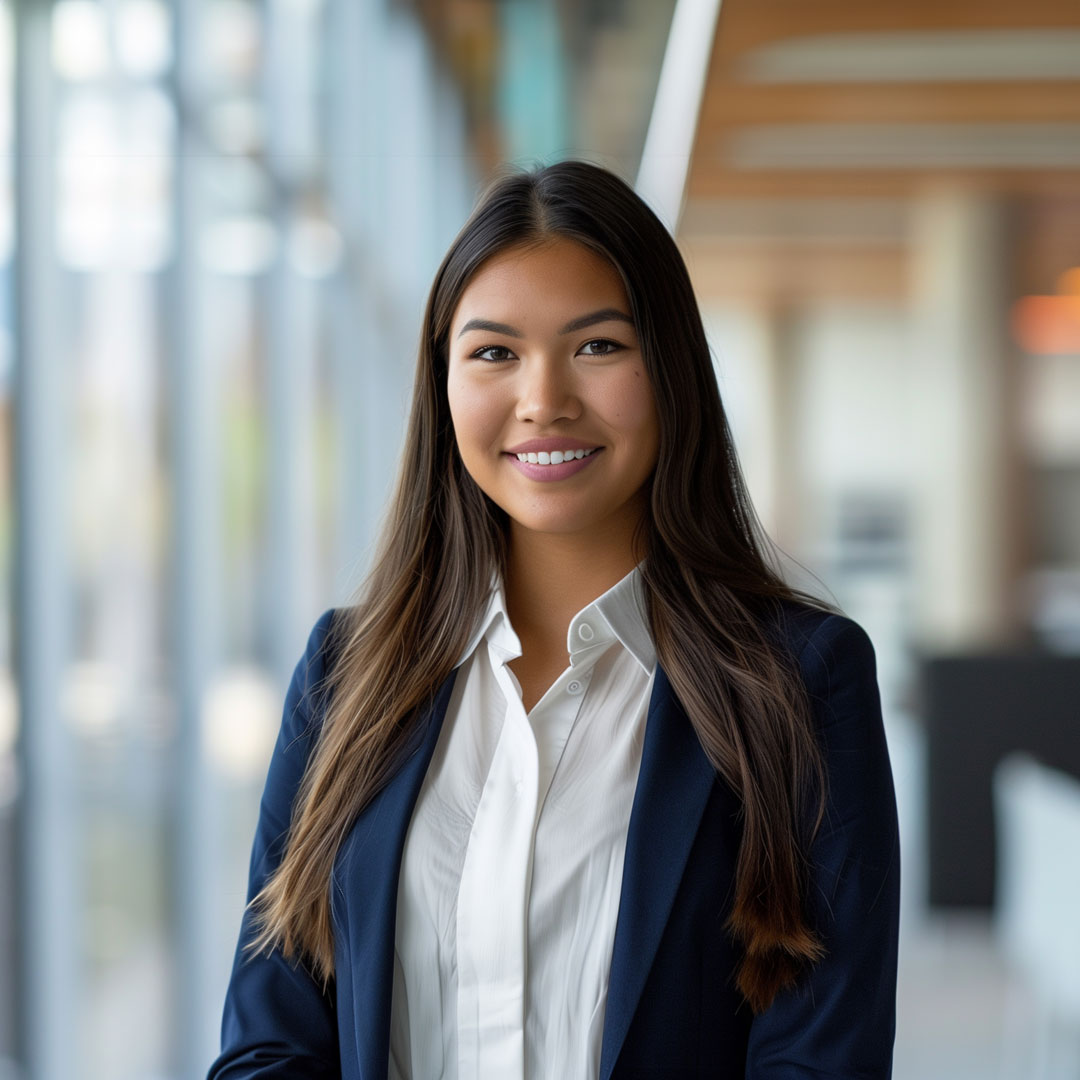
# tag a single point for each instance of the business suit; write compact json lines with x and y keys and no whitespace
{"x":672,"y":1008}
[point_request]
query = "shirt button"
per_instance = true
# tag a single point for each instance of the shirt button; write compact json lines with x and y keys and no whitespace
{"x":574,"y":687}
{"x":585,"y":632}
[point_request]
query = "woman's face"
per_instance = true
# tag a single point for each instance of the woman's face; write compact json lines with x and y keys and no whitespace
{"x":544,"y":359}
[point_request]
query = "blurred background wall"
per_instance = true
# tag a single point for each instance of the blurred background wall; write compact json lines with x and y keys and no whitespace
{"x":218,"y":223}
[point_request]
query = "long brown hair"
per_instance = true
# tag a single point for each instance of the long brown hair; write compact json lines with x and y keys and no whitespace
{"x":711,"y":579}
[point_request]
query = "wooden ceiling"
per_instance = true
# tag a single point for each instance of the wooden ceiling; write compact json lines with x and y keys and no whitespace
{"x":748,"y":24}
{"x":785,"y":146}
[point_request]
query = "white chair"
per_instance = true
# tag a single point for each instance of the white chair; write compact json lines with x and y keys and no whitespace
{"x":1037,"y":917}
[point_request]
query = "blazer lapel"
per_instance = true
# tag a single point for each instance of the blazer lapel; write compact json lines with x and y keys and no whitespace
{"x":672,"y":789}
{"x":370,"y":862}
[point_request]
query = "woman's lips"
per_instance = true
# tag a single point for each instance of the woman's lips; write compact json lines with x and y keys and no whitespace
{"x":553,"y":472}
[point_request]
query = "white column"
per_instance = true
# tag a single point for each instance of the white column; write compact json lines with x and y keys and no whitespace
{"x":291,"y":313}
{"x":961,"y":358}
{"x":753,"y":369}
{"x":48,"y":881}
{"x":194,"y":423}
{"x":366,"y":357}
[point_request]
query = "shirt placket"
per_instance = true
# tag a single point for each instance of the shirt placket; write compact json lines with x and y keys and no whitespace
{"x":493,"y":901}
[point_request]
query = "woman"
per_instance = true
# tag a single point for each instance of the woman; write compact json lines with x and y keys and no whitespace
{"x":579,"y":787}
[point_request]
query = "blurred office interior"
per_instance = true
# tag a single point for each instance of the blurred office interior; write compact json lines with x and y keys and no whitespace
{"x":218,"y":223}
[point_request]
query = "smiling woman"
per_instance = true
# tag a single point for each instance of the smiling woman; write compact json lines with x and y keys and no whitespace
{"x":578,"y":786}
{"x":553,"y":386}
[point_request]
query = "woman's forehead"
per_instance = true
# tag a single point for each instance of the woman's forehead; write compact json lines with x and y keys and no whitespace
{"x":551,"y":282}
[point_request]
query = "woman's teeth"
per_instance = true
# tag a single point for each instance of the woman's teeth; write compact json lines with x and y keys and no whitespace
{"x":556,"y":457}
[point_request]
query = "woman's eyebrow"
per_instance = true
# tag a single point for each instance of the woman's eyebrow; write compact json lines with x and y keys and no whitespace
{"x":580,"y":323}
{"x":490,"y":327}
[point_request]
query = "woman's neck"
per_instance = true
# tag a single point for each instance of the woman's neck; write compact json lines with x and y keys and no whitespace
{"x":550,"y":577}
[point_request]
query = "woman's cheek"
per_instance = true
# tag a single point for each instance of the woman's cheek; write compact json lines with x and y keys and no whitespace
{"x":476,"y":412}
{"x":628,"y":402}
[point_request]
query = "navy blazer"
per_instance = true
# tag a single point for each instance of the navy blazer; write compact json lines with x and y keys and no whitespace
{"x":672,"y":1010}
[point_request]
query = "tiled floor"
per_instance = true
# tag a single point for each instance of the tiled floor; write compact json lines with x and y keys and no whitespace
{"x":961,"y":1014}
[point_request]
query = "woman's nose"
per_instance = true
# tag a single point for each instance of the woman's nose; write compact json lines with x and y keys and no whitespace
{"x":547,"y":392}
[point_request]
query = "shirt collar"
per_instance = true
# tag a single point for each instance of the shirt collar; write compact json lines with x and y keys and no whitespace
{"x":493,"y":624}
{"x":618,"y":614}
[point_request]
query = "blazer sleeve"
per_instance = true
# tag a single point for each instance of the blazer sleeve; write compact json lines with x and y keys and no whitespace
{"x":277,"y":1020}
{"x":839,"y":1021}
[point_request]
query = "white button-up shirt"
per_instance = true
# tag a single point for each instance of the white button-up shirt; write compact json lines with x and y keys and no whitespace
{"x":512,"y":868}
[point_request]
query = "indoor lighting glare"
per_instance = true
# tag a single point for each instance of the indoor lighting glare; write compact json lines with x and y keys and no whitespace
{"x":1068,"y":284}
{"x":240,"y":722}
{"x":144,"y":38}
{"x":240,"y":246}
{"x":1049,"y":325}
{"x":80,"y":40}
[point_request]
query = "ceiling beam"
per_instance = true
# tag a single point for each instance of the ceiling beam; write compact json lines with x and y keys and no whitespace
{"x":791,"y":273}
{"x":728,"y":104}
{"x":711,"y":180}
{"x":747,"y":24}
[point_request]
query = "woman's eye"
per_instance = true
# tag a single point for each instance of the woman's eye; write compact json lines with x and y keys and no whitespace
{"x":501,"y":351}
{"x":600,"y":347}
